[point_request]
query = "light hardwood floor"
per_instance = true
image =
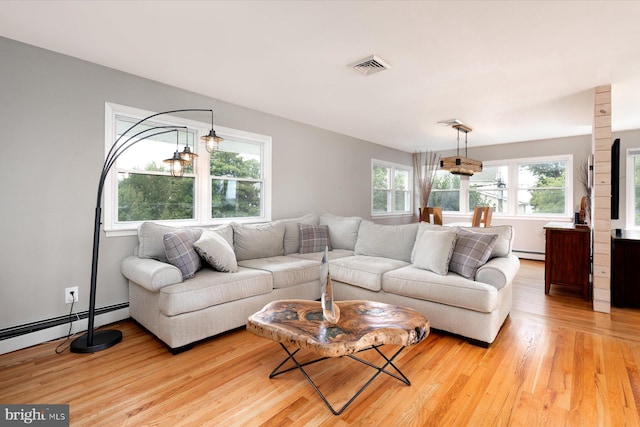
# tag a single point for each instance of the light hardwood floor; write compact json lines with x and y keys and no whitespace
{"x":555,"y":362}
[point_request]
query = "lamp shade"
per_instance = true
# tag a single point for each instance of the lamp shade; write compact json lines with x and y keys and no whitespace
{"x":212,"y":141}
{"x":188,"y":155}
{"x":176,"y":164}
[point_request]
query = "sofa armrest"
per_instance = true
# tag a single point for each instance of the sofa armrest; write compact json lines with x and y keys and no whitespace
{"x":499,"y":271}
{"x":150,"y":273}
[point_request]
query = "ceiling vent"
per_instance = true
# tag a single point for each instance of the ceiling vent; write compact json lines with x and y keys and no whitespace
{"x":370,"y":65}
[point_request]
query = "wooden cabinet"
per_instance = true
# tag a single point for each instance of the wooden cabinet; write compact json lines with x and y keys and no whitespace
{"x":625,"y":268}
{"x":567,"y":257}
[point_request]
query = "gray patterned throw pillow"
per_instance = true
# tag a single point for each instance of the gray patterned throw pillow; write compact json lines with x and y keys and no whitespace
{"x":313,"y":238}
{"x":178,"y":246}
{"x":471,"y":252}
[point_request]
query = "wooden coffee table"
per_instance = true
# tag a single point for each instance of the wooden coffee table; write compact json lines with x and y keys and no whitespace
{"x":363,"y":325}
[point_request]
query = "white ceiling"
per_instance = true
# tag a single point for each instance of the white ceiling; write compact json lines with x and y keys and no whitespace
{"x":511,"y":70}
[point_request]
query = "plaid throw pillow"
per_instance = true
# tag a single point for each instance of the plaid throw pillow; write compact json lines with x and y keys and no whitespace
{"x":313,"y":238}
{"x":178,"y":246}
{"x":471,"y":252}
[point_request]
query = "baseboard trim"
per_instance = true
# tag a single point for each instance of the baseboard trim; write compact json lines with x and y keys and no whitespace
{"x":23,"y":336}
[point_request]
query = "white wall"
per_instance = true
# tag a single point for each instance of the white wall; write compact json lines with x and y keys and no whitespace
{"x":529,"y":232}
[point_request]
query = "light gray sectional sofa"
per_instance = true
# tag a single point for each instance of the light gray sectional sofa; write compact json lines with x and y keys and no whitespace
{"x":183,"y":298}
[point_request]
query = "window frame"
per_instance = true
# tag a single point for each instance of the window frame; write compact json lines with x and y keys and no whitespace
{"x":630,"y":193}
{"x":202,"y":177}
{"x":410,"y":188}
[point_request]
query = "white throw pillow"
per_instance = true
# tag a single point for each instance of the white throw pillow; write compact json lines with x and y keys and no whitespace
{"x":433,"y":250}
{"x":216,"y":251}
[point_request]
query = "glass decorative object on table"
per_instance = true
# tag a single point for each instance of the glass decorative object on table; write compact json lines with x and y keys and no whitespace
{"x":330,"y":310}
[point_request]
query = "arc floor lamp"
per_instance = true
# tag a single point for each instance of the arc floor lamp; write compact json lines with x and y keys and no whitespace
{"x":94,"y":341}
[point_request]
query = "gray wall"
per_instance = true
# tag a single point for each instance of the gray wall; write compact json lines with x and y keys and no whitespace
{"x":52,"y":149}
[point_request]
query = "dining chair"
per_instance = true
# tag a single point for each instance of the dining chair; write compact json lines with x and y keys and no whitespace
{"x":482,"y":216}
{"x":426,"y":213}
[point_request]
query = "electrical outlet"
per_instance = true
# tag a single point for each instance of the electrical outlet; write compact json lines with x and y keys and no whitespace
{"x":68,"y":298}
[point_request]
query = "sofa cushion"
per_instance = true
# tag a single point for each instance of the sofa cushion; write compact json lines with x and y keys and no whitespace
{"x":504,"y":241}
{"x":472,"y":250}
{"x":287,"y":271}
{"x":292,"y":233}
{"x":313,"y":238}
{"x":434,"y":249}
{"x":422,"y":227}
{"x":180,"y":252}
{"x":451,"y":289}
{"x":216,"y":251}
{"x":251,"y":241}
{"x":363,"y":271}
{"x":388,"y":241}
{"x":150,"y":240}
{"x":211,"y":288}
{"x":150,"y":236}
{"x":343,"y":231}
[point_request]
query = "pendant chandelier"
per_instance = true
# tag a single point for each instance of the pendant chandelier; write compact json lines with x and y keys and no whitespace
{"x":461,"y":165}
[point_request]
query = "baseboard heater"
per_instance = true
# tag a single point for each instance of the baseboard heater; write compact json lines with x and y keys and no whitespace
{"x":538,"y":256}
{"x":29,"y":328}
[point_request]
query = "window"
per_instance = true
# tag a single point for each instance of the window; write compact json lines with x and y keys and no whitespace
{"x":490,"y":188}
{"x":236,"y":180}
{"x":633,"y":188}
{"x":146,"y":190}
{"x":523,"y":187}
{"x":392,"y":188}
{"x":230,"y":184}
{"x":542,"y":187}
{"x":446,"y":191}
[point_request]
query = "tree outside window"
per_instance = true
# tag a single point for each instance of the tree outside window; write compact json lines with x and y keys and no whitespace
{"x":146,"y":189}
{"x":542,"y":187}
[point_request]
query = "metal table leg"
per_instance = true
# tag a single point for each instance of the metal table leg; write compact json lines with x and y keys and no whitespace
{"x":379,"y":370}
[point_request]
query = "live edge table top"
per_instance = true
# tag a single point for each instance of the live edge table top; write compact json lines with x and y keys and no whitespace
{"x":362,"y":324}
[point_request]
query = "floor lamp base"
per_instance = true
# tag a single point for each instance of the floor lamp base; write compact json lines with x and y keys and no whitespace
{"x":102,"y":340}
